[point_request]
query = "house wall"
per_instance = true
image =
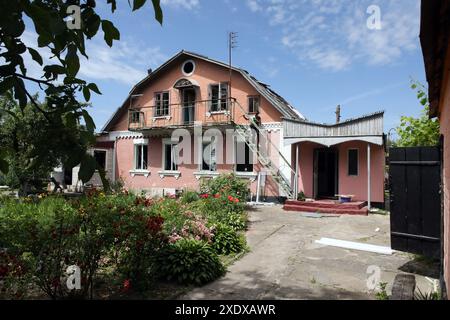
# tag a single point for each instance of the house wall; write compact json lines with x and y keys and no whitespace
{"x":445,"y":130}
{"x":206,"y":73}
{"x":355,"y":185}
{"x":154,"y":183}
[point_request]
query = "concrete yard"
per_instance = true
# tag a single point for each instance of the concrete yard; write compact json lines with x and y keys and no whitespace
{"x":285,"y":262}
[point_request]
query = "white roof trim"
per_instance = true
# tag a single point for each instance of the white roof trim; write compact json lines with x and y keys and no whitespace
{"x":331,"y":141}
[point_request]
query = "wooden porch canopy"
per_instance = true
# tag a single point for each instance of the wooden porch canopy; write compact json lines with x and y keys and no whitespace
{"x":368,"y":128}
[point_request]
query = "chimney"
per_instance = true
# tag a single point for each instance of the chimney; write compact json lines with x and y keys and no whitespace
{"x":338,"y":114}
{"x":149,"y":71}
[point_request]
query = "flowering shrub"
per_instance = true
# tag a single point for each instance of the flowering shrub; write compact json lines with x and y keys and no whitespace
{"x":227,"y":184}
{"x":189,"y":261}
{"x":135,"y":238}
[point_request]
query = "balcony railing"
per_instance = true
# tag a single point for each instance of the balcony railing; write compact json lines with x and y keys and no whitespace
{"x":206,"y":112}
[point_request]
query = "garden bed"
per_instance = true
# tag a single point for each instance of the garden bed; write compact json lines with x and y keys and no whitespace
{"x":126,"y":246}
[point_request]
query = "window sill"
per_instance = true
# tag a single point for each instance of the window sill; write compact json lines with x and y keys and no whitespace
{"x":247,"y":175}
{"x":144,"y":173}
{"x":206,"y":174}
{"x":164,"y":173}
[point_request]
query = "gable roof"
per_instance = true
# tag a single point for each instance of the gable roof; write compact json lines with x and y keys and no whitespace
{"x":287,"y":110}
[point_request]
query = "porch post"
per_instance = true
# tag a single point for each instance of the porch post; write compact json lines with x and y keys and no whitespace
{"x":368,"y":177}
{"x":296,"y":171}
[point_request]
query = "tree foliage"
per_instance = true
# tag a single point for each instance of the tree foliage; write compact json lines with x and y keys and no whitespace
{"x":421,"y":131}
{"x":33,"y":145}
{"x":58,"y":76}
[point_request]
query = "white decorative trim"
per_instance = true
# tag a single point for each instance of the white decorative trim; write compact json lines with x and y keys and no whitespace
{"x":247,"y":175}
{"x":272,"y":126}
{"x":193,"y":70}
{"x":168,"y":117}
{"x":164,"y":173}
{"x":144,"y":173}
{"x":141,"y":141}
{"x":206,"y":174}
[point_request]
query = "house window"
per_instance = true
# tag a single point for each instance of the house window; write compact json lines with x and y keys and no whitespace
{"x":244,"y":157}
{"x":100,"y":158}
{"x":170,"y":157}
{"x":161,"y":104}
{"x":135,"y":117}
{"x":219,"y":97}
{"x":253,"y":104}
{"x":188,"y":68}
{"x":209,"y":162}
{"x":141,"y":156}
{"x":353,"y":162}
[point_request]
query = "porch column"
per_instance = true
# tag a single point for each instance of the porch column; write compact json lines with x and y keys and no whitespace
{"x":368,"y":176}
{"x":296,"y":171}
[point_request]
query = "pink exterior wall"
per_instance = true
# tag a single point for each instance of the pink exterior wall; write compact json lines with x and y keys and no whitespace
{"x":445,"y":130}
{"x":187,"y":179}
{"x":355,"y":185}
{"x":206,"y":73}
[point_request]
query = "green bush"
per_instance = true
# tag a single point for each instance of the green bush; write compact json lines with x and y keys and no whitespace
{"x":43,"y":238}
{"x":226,"y":240}
{"x":189,"y":261}
{"x":227,"y":185}
{"x":189,"y":196}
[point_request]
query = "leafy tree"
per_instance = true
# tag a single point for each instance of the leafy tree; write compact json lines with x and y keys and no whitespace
{"x":58,"y":80}
{"x":421,"y":131}
{"x":33,"y":146}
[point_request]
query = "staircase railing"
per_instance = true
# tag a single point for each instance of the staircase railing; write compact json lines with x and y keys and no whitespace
{"x":276,"y":170}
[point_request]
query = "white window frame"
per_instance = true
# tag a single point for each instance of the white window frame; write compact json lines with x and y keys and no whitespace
{"x":193,"y":70}
{"x":357,"y":162}
{"x":140,"y":143}
{"x":220,"y":85}
{"x":213,"y":146}
{"x":255,"y":97}
{"x":161,"y":101}
{"x":167,"y":173}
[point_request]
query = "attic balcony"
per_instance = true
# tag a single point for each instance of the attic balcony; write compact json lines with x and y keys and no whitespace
{"x":218,"y":112}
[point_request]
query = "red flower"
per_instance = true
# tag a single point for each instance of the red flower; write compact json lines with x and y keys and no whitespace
{"x":230,"y":198}
{"x":204,"y":196}
{"x":217,"y":196}
{"x":126,"y":285}
{"x":236,"y":200}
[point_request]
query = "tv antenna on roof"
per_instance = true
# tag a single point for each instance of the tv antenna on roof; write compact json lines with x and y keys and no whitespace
{"x":232,"y":44}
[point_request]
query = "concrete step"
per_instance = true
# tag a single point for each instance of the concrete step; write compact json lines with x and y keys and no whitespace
{"x":303,"y":208}
{"x":329,"y":204}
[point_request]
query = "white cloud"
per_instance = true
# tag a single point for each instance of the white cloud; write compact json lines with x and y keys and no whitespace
{"x":333,"y":34}
{"x":126,"y":62}
{"x":254,"y":5}
{"x":186,"y":4}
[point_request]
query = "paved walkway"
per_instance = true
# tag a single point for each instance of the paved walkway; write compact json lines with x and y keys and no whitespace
{"x":286,"y":263}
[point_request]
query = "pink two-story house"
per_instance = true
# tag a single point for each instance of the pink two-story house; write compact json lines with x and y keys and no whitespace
{"x":191,"y":119}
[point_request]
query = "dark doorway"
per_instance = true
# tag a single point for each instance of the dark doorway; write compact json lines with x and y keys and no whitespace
{"x":325,"y":173}
{"x":68,"y":177}
{"x":188,"y":108}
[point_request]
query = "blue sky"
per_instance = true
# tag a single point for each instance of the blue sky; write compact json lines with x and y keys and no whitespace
{"x":315,"y":53}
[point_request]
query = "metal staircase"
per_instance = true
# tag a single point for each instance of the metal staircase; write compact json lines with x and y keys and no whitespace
{"x":247,"y":134}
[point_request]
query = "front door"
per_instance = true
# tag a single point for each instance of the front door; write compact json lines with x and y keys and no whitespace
{"x":188,"y":108}
{"x":325,"y":173}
